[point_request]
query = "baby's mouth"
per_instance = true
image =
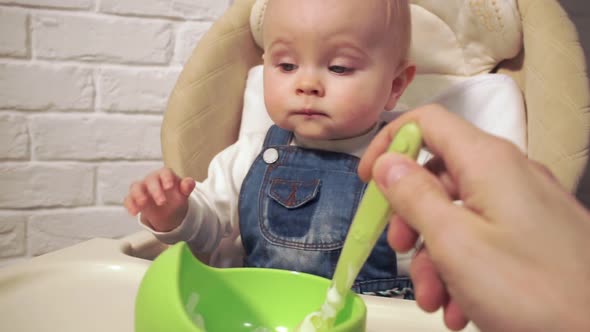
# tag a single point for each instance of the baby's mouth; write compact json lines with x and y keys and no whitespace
{"x":309,"y":112}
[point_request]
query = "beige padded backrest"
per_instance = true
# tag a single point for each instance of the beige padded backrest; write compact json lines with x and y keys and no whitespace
{"x":551,"y":72}
{"x":203,"y":114}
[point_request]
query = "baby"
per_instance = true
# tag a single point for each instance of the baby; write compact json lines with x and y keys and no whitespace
{"x":285,"y":198}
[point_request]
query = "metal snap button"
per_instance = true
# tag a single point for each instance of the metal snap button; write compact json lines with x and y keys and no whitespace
{"x":270,"y":156}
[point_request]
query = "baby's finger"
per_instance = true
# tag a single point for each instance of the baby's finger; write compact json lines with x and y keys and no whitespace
{"x":187,"y":185}
{"x":154,"y":188}
{"x":130,"y":205}
{"x":168,"y":178}
{"x":138,"y":194}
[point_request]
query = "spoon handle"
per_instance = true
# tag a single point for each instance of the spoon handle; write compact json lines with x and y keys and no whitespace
{"x":367,"y":225}
{"x":372,"y":215}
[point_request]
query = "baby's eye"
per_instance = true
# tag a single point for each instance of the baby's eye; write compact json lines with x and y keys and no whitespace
{"x":287,"y":67}
{"x":340,"y":69}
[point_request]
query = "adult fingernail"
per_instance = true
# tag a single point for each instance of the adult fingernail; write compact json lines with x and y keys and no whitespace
{"x":389,"y":169}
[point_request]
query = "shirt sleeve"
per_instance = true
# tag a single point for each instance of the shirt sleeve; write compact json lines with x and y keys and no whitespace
{"x":213,"y":205}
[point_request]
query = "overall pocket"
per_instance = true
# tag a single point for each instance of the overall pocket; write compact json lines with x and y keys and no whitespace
{"x":308,"y":208}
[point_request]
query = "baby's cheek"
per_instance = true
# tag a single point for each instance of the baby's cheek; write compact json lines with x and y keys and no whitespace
{"x":274,"y":104}
{"x":348,"y":100}
{"x":270,"y":93}
{"x":353,"y":104}
{"x":272,"y":101}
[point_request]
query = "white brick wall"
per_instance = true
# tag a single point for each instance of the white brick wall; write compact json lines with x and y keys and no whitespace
{"x":83,"y":85}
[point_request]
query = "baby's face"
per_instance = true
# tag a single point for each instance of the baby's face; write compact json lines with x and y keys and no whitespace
{"x":328,"y":66}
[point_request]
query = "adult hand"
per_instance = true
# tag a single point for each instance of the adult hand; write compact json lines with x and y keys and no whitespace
{"x":514,"y":257}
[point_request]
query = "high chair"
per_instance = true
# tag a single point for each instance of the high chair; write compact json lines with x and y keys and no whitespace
{"x":204,"y":110}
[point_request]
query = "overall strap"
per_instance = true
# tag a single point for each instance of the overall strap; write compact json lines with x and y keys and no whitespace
{"x":277,"y":136}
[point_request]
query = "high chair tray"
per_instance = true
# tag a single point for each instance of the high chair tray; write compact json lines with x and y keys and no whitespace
{"x":92,"y":286}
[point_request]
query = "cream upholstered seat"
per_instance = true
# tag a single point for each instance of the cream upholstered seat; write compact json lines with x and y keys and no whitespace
{"x":204,"y":110}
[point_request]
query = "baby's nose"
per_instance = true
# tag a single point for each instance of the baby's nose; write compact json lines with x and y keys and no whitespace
{"x":310,"y":86}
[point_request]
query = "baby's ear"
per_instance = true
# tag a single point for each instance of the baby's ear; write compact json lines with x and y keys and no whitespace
{"x":399,"y":85}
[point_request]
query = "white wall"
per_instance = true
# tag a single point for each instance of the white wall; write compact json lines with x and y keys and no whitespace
{"x":83,"y":85}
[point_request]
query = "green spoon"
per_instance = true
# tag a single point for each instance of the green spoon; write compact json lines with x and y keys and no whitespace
{"x":369,"y":222}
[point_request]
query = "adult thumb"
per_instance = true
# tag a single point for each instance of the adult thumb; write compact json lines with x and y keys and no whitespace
{"x":415,"y":194}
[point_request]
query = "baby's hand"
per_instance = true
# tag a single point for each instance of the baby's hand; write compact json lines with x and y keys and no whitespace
{"x":162,"y":199}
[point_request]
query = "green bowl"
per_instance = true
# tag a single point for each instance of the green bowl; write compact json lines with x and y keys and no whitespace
{"x":179,"y":293}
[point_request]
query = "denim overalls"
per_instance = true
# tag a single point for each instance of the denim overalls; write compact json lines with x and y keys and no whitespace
{"x":296,"y":206}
